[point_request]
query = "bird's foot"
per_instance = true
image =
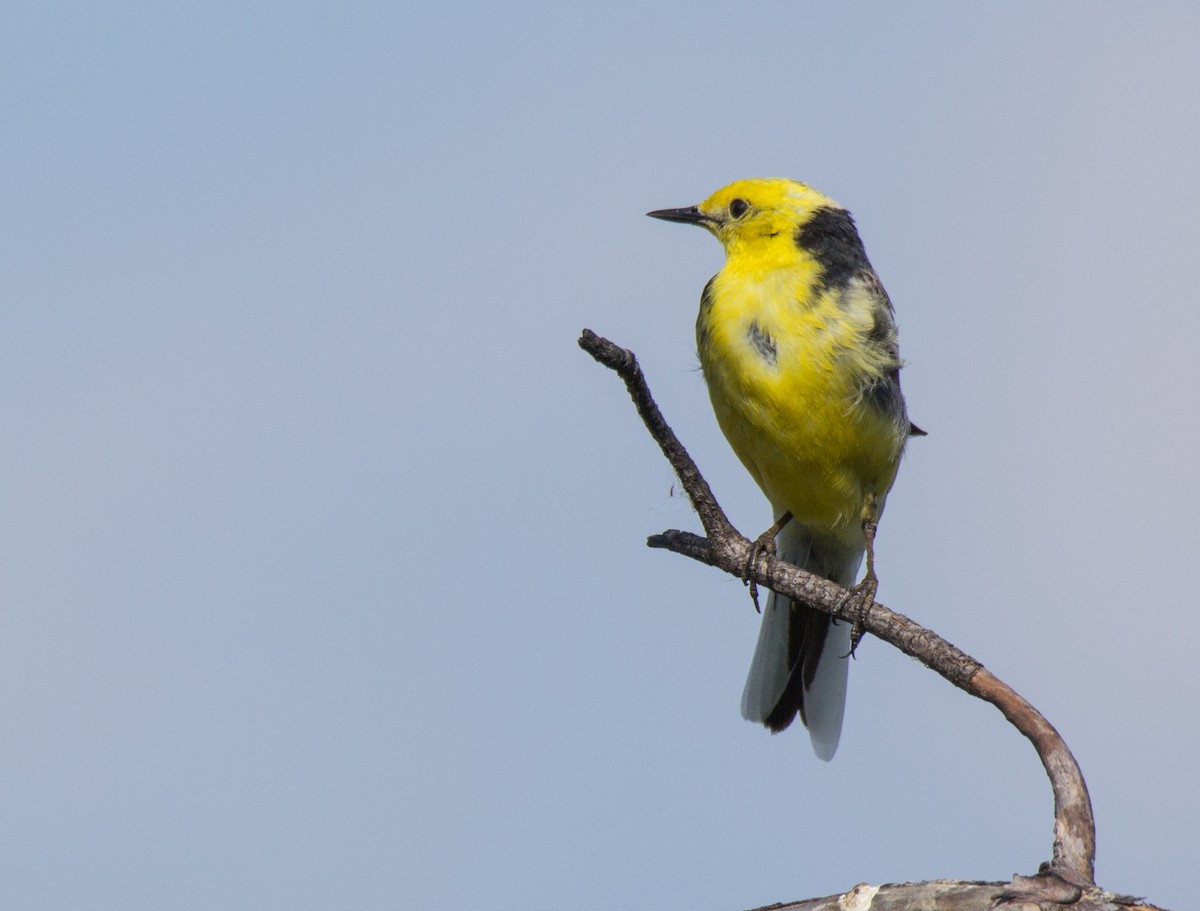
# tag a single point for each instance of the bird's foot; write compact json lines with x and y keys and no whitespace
{"x":763,"y":544}
{"x":863,"y":596}
{"x":864,"y":592}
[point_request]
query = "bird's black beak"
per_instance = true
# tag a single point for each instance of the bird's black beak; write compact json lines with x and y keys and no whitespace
{"x":689,"y":216}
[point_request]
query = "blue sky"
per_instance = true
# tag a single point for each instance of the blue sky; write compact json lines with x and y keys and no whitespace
{"x":325,"y":580}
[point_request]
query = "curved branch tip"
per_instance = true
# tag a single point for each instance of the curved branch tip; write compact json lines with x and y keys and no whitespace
{"x":1074,"y":832}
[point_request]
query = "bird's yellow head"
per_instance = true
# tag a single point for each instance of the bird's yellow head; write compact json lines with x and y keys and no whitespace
{"x":754,"y":215}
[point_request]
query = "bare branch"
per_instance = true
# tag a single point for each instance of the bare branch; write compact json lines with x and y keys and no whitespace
{"x":712,"y":517}
{"x":1074,"y":850}
{"x":953,"y":895}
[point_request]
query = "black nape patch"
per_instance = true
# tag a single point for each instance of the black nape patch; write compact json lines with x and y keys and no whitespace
{"x":833,"y":241}
{"x":763,"y":343}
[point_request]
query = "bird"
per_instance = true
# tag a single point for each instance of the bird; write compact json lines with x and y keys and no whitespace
{"x":798,"y":346}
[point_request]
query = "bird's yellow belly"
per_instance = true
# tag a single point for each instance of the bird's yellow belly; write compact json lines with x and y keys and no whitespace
{"x":799,"y":424}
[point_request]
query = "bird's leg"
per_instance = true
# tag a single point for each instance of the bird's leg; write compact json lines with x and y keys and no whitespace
{"x":864,"y":591}
{"x":763,"y":544}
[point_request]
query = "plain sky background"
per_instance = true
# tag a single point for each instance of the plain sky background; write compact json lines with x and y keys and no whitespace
{"x":324,"y":581}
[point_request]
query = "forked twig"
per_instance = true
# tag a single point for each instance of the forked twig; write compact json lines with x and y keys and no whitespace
{"x":1073,"y":857}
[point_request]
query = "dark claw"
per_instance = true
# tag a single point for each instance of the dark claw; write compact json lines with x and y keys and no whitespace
{"x":864,"y":594}
{"x":763,"y":544}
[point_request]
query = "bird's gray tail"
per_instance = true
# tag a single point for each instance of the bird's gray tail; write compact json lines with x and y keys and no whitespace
{"x":801,"y":661}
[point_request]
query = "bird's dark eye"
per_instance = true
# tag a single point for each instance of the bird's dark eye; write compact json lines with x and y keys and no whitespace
{"x":738,"y":208}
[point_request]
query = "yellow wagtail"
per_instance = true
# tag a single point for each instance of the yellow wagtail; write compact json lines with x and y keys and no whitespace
{"x":798,"y":345}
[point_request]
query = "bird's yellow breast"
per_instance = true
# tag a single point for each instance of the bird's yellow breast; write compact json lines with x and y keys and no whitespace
{"x":785,"y":366}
